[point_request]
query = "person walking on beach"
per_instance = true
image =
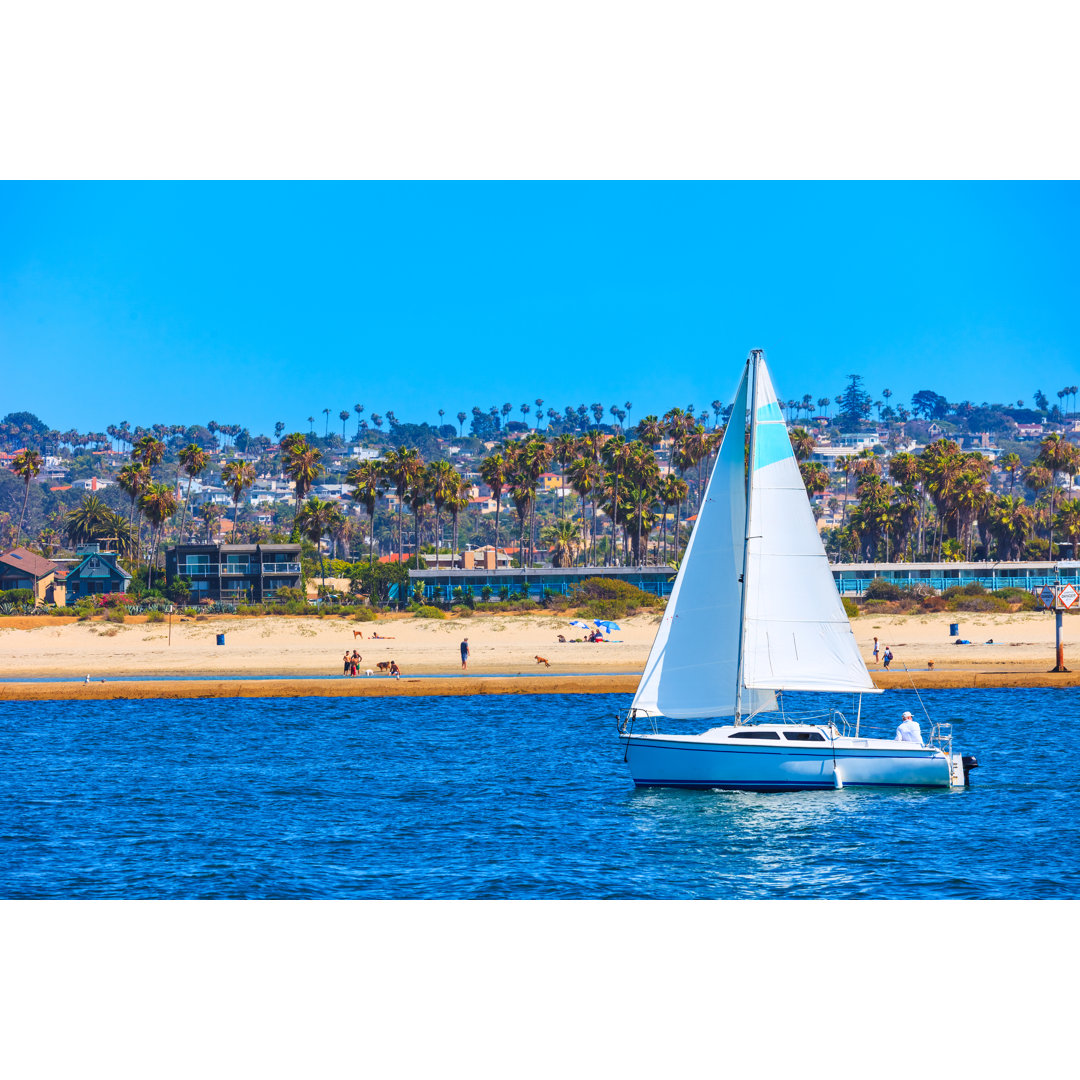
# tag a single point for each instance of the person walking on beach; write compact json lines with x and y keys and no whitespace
{"x":909,"y":730}
{"x":887,"y":657}
{"x":875,"y":650}
{"x":354,"y":662}
{"x":465,"y":655}
{"x":347,"y":660}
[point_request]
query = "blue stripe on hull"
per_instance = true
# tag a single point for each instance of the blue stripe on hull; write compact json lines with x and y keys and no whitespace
{"x":780,"y":785}
{"x":792,"y":785}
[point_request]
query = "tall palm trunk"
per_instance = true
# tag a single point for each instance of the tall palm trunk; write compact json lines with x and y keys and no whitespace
{"x":183,"y":515}
{"x":22,"y":513}
{"x":1053,"y":488}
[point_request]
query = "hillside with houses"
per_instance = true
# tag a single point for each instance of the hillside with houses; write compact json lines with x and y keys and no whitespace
{"x":528,"y":486}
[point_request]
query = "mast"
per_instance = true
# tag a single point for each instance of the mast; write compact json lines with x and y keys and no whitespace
{"x":752,"y":362}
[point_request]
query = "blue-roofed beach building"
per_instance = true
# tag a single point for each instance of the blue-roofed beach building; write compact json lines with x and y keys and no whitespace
{"x":96,"y":573}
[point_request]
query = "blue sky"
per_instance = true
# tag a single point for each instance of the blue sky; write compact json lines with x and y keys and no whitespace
{"x":256,"y":302}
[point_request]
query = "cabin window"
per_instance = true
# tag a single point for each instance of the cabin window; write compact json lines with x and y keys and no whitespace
{"x":755,"y":735}
{"x":804,"y":736}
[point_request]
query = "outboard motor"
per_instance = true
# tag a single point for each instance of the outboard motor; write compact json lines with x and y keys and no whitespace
{"x":969,"y":761}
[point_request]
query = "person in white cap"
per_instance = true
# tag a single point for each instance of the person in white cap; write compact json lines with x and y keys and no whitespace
{"x":909,"y":730}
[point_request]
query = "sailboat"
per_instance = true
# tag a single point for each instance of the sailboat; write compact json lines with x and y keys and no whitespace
{"x":754,"y":613}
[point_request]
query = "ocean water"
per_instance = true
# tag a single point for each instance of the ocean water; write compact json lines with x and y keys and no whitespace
{"x":504,"y":797}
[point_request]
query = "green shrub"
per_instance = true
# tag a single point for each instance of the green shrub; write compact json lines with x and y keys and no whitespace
{"x":971,"y":589}
{"x":555,"y":601}
{"x":287,"y":594}
{"x":606,"y":598}
{"x":987,"y":602}
{"x":154,"y":616}
{"x":426,"y":611}
{"x":851,"y":609}
{"x":880,"y":589}
{"x":1027,"y":601}
{"x":365,"y":614}
{"x":115,"y":615}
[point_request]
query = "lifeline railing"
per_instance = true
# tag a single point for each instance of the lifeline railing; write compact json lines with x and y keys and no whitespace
{"x":941,"y":737}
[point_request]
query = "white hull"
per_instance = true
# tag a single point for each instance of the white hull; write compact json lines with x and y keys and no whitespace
{"x":716,"y":760}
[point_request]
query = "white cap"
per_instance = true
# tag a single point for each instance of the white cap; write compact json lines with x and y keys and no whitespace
{"x":908,"y":716}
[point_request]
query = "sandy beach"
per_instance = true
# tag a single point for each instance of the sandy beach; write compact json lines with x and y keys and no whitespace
{"x":302,"y":655}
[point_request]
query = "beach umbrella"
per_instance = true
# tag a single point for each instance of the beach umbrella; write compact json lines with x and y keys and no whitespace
{"x":578,"y":622}
{"x":607,"y":627}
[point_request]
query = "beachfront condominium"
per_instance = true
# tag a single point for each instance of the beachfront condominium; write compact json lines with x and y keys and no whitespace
{"x":251,"y":573}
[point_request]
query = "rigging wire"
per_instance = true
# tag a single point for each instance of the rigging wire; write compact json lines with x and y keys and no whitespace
{"x":918,"y":695}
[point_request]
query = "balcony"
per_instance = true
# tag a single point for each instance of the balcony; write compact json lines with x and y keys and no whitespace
{"x":281,"y":568}
{"x":235,"y":569}
{"x":191,"y":570}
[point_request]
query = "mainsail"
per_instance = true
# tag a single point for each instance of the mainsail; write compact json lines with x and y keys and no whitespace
{"x":692,"y":667}
{"x":790,"y":628}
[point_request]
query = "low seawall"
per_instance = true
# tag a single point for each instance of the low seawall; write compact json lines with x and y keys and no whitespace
{"x":459,"y":686}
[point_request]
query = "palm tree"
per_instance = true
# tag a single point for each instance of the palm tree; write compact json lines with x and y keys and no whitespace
{"x":616,"y":453}
{"x":326,"y":432}
{"x":300,"y":463}
{"x":972,"y":494}
{"x":493,"y":471}
{"x":1057,"y":455}
{"x":237,"y":476}
{"x":418,"y":495}
{"x":314,"y":519}
{"x":458,"y":501}
{"x":133,"y":480}
{"x":158,"y":504}
{"x":802,"y":443}
{"x":367,"y":481}
{"x":49,"y":540}
{"x":672,"y":491}
{"x":193,"y":461}
{"x":1010,"y":463}
{"x":27,"y":464}
{"x":359,"y":410}
{"x":88,"y":521}
{"x":536,"y":453}
{"x":461,"y":418}
{"x":401,"y":467}
{"x":343,"y":416}
{"x":815,"y":477}
{"x":211,"y":513}
{"x":149,"y":451}
{"x":651,"y":430}
{"x":443,"y":481}
{"x":1010,"y":520}
{"x":564,"y":448}
{"x":539,"y":412}
{"x":562,"y":538}
{"x":1068,"y":521}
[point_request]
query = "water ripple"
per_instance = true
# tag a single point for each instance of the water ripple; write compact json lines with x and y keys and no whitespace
{"x":500,"y":798}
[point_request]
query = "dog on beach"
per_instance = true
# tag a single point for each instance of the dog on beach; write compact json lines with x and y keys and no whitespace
{"x":383,"y":665}
{"x":358,"y":634}
{"x":541,"y":660}
{"x":369,"y":672}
